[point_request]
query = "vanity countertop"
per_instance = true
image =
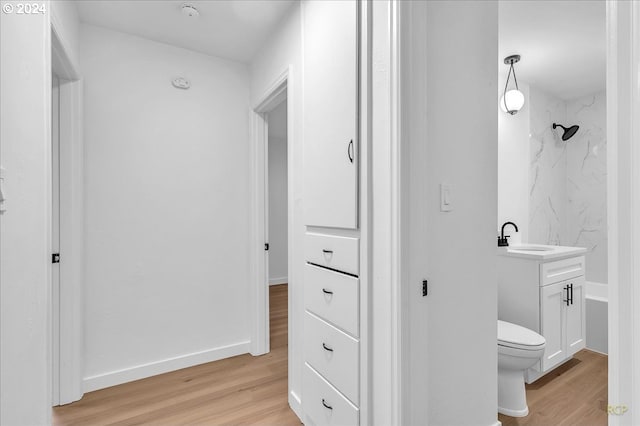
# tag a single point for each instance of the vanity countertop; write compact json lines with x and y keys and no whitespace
{"x":540,"y":251}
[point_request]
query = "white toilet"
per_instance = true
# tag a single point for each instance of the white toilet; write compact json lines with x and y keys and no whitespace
{"x":518,"y":349}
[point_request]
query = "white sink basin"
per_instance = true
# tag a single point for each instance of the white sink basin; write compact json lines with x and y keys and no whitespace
{"x":530,"y":248}
{"x":540,"y":251}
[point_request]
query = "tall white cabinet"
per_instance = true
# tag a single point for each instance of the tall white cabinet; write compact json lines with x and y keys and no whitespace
{"x":331,"y":113}
{"x":331,"y":392}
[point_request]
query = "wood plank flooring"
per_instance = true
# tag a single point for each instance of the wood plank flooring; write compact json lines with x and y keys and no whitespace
{"x":246,"y":390}
{"x":573,"y":394}
{"x":242,"y":390}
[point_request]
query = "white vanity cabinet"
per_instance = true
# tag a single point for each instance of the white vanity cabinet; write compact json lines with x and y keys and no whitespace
{"x":562,"y":320}
{"x":545,"y":293}
{"x":331,"y":114}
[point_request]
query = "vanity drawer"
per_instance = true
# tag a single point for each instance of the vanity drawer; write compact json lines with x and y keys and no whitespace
{"x":319,"y":395}
{"x":339,"y":253}
{"x":560,"y":270}
{"x":333,"y":297}
{"x":333,"y":354}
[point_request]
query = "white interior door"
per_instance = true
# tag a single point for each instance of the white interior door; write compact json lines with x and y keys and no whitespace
{"x":55,"y":238}
{"x":552,"y":312}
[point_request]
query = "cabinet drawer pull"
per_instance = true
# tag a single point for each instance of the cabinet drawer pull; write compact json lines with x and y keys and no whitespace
{"x":325,"y":405}
{"x":325,"y":291}
{"x":327,"y":348}
{"x":327,"y":251}
{"x":350,"y":150}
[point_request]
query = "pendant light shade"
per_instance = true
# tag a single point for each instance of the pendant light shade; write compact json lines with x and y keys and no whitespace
{"x":512,"y":100}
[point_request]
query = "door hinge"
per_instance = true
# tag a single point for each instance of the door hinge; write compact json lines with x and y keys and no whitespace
{"x":55,"y":258}
{"x":424,"y":288}
{"x":266,"y":246}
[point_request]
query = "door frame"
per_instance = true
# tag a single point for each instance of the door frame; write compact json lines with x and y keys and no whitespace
{"x":70,"y":329}
{"x":279,"y":91}
{"x":623,"y":205}
{"x":623,"y":209}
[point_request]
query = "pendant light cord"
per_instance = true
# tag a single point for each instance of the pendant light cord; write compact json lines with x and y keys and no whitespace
{"x":514,"y":76}
{"x":504,"y":94}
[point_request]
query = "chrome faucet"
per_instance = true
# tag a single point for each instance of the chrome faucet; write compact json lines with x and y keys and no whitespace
{"x":502,"y":240}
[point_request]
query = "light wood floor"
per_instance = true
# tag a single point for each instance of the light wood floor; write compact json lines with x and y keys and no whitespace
{"x":247,"y":390}
{"x":573,"y":394}
{"x":241,"y":390}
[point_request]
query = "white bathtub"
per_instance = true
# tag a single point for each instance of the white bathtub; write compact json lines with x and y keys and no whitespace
{"x":596,"y":312}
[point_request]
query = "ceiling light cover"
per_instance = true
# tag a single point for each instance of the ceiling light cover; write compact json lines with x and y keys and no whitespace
{"x":190,"y":10}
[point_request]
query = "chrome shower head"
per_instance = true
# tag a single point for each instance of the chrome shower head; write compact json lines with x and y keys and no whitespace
{"x":568,"y":132}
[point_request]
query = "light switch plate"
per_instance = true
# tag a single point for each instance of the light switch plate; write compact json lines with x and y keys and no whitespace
{"x":446,"y":201}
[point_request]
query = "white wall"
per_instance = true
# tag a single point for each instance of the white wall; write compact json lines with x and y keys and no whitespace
{"x":25,"y":153}
{"x":281,"y":50}
{"x":278,"y":232}
{"x":167,"y":207}
{"x":513,"y":168}
{"x":459,"y":338}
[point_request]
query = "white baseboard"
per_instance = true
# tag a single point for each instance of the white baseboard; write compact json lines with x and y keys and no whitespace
{"x":296,"y":404}
{"x":278,"y":280}
{"x":138,"y":372}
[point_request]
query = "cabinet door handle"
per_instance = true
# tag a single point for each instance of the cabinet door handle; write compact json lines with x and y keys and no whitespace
{"x":325,"y":405}
{"x":350,"y":150}
{"x":327,"y":251}
{"x":326,"y":348}
{"x":571,"y":290}
{"x":325,"y":291}
{"x":567,"y":300}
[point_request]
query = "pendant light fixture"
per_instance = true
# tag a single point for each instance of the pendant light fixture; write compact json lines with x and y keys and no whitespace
{"x":512,"y":100}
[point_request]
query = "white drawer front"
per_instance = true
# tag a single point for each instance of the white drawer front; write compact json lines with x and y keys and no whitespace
{"x":339,"y":253}
{"x":333,"y":354}
{"x":319,"y":395}
{"x":560,"y":270}
{"x":333,"y":297}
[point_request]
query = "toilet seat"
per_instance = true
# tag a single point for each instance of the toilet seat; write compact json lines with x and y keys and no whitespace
{"x":517,"y":337}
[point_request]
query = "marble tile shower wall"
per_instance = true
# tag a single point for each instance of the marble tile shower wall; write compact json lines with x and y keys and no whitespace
{"x":587,"y":182}
{"x":548,"y":171}
{"x":567,"y":180}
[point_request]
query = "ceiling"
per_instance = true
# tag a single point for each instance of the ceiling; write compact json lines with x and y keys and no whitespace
{"x":562,"y":44}
{"x":232,"y":29}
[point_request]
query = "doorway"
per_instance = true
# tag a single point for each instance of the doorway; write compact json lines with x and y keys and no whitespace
{"x":272,"y":121}
{"x":276,"y":195}
{"x":66,"y":197}
{"x":552,"y":185}
{"x":55,"y":239}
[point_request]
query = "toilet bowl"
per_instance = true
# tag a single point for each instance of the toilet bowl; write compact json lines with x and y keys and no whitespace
{"x":518,"y":349}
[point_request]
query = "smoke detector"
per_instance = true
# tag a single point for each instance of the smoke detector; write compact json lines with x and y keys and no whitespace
{"x":189,"y":10}
{"x":181,"y":83}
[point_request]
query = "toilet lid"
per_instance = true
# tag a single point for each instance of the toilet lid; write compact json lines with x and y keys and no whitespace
{"x":517,"y":336}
